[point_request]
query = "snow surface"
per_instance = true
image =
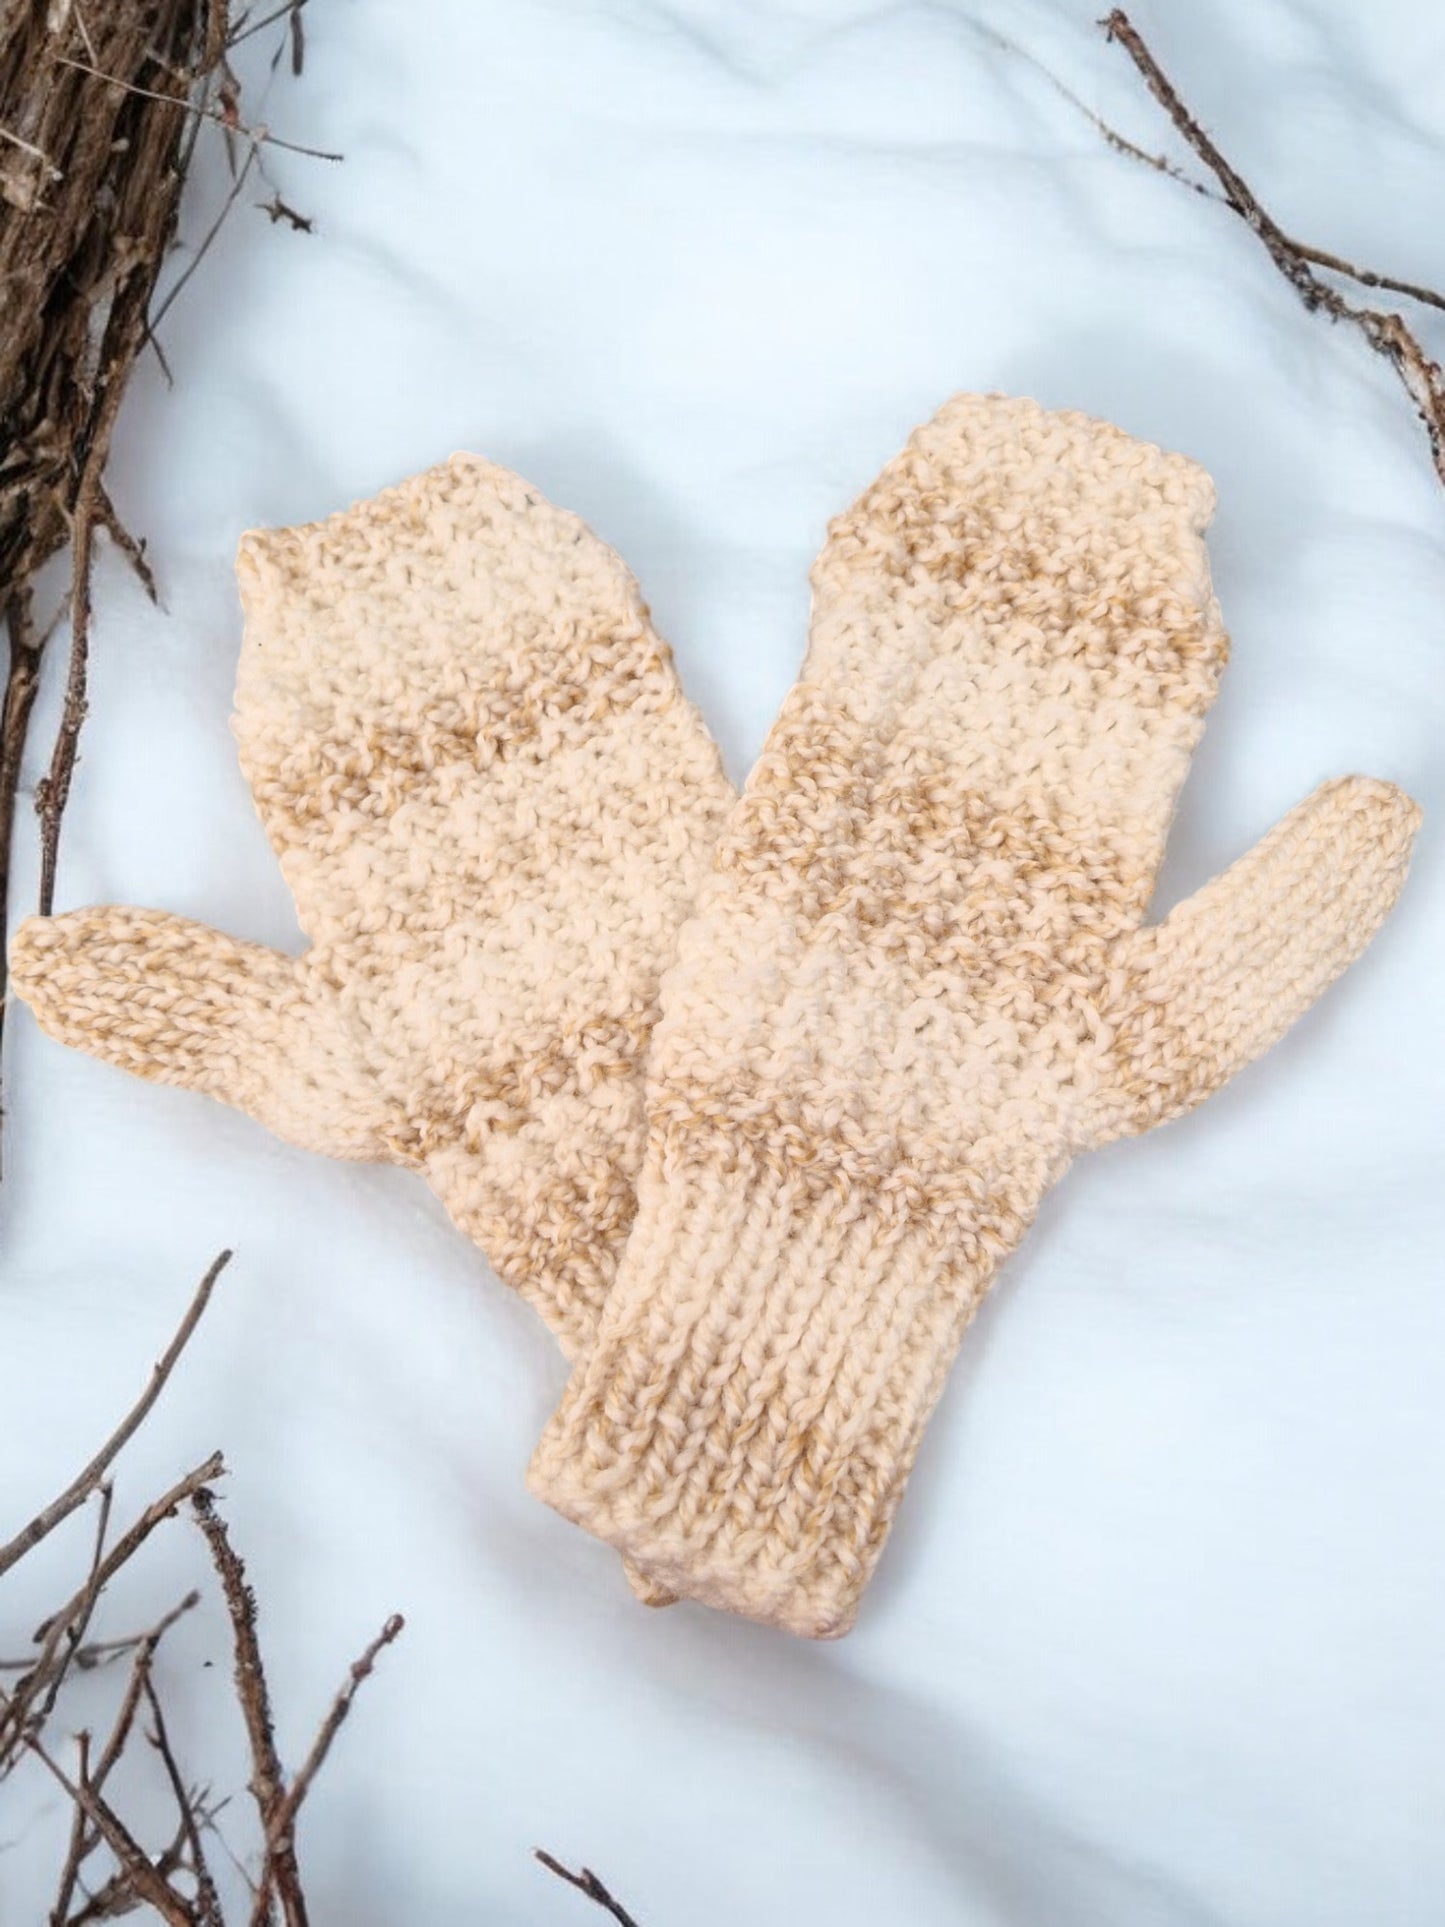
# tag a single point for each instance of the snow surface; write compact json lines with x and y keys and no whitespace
{"x":1157,"y":1640}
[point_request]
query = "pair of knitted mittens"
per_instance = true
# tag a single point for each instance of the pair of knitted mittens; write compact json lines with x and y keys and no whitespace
{"x":913,"y":983}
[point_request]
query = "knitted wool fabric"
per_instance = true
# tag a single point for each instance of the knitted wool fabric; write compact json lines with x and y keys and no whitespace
{"x":917,"y":983}
{"x":494,"y":808}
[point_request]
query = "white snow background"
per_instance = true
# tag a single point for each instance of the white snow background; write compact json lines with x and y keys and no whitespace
{"x":1157,"y":1642}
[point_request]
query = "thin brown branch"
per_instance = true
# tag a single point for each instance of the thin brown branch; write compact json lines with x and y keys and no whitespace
{"x":15,"y":1710}
{"x":586,"y":1882}
{"x":102,"y":1652}
{"x":85,"y":1837}
{"x":22,"y":686}
{"x":150,"y":1884}
{"x":118,"y":1896}
{"x":1367,"y":277}
{"x":211,"y":71}
{"x":360,"y":1670}
{"x":130,"y":548}
{"x":75,"y":1632}
{"x":137,"y":1687}
{"x":207,"y":1904}
{"x":75,"y":1850}
{"x":246,"y":28}
{"x":208,"y":240}
{"x":209,"y":1822}
{"x":53,"y":791}
{"x":1163,"y":164}
{"x":278,"y":210}
{"x":86,"y":1481}
{"x":1121,"y":143}
{"x":175,"y":1882}
{"x":1386,"y":333}
{"x":257,"y":136}
{"x":280,"y":1875}
{"x":126,"y":1714}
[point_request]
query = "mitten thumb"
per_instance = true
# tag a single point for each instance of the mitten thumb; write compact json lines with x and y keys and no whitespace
{"x":179,"y":1003}
{"x":1210,"y":989}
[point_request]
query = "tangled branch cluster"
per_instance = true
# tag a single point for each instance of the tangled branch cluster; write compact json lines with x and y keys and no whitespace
{"x":108,"y":1868}
{"x":100,"y":110}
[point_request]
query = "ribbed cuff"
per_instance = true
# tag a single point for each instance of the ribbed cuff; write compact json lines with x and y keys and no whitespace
{"x":745,"y":1422}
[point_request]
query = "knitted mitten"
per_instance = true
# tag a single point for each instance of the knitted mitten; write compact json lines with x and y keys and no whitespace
{"x":494,"y":808}
{"x":917,"y":983}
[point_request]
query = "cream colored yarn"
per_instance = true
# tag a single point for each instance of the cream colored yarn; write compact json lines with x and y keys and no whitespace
{"x":494,"y":807}
{"x":917,"y":983}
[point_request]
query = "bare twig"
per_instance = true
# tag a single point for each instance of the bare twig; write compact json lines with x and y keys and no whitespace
{"x":175,"y":1882}
{"x":1120,"y":142}
{"x":298,"y":39}
{"x":137,"y":1687}
{"x":22,"y":686}
{"x":53,"y":791}
{"x":331,"y":1725}
{"x":257,"y":136}
{"x":75,"y":1851}
{"x":207,"y":1904}
{"x":1368,"y":278}
{"x":586,"y":1882}
{"x":75,"y":1632}
{"x":278,"y":210}
{"x":246,"y":29}
{"x":1163,"y":164}
{"x":118,"y":1896}
{"x":103,"y":1652}
{"x":280,"y":1874}
{"x":1386,"y":333}
{"x":207,"y":239}
{"x":15,"y":1709}
{"x":149,"y":1882}
{"x":129,"y":1706}
{"x":86,"y":1482}
{"x":130,"y":548}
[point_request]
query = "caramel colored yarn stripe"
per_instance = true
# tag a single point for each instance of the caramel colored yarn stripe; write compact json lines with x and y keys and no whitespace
{"x":494,"y":807}
{"x":917,"y":983}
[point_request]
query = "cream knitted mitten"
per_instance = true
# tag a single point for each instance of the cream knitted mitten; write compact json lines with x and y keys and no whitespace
{"x":494,"y":807}
{"x":917,"y":983}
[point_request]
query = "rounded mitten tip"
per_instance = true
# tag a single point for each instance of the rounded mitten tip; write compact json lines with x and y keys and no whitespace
{"x":79,"y":972}
{"x":1017,"y":432}
{"x":1394,"y":810}
{"x":53,"y":970}
{"x":1370,"y":826}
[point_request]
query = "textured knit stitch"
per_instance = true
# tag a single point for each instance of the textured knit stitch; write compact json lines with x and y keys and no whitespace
{"x":494,"y":807}
{"x":917,"y":983}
